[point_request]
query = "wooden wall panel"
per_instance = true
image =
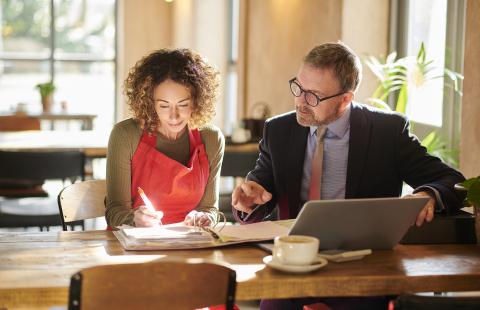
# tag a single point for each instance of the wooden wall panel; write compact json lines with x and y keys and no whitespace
{"x":365,"y":27}
{"x":144,"y":25}
{"x":470,"y":132}
{"x":278,"y":35}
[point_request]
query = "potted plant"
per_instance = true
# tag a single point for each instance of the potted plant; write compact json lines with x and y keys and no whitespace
{"x":472,"y":187}
{"x":46,"y":94}
{"x":395,"y":76}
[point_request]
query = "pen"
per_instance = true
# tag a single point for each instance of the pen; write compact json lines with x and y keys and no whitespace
{"x":147,"y":202}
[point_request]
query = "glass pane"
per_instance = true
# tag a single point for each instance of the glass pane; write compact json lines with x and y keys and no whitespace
{"x":88,"y":88}
{"x":17,"y":83}
{"x":231,"y":92}
{"x":85,"y":29}
{"x":427,"y":23}
{"x":25,"y":28}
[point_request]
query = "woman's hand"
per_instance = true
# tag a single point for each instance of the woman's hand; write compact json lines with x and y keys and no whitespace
{"x":144,"y":217}
{"x":197,"y":218}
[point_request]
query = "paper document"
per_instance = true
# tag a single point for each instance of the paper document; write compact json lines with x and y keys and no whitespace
{"x":177,"y":233}
{"x":179,"y":236}
{"x":262,"y":230}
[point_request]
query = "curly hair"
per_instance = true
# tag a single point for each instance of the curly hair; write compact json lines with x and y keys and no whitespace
{"x":182,"y":66}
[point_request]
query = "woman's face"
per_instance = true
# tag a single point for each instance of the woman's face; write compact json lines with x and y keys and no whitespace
{"x":173,"y":104}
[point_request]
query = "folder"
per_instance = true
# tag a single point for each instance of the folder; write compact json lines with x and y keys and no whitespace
{"x":179,"y":236}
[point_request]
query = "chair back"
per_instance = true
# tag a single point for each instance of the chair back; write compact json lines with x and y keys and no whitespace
{"x":23,"y":173}
{"x":156,"y":285}
{"x":19,"y":123}
{"x":41,"y":165}
{"x":81,"y":201}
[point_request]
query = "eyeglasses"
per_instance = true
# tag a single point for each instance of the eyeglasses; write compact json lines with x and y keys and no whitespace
{"x":311,"y":98}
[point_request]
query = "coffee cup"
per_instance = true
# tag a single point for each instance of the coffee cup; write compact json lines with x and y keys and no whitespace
{"x":295,"y":250}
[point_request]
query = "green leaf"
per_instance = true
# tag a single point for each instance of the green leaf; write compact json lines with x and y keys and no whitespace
{"x":379,"y":103}
{"x":469,"y":182}
{"x":421,"y":54}
{"x":429,"y":139}
{"x":401,"y":105}
{"x":473,"y":193}
{"x":391,"y":57}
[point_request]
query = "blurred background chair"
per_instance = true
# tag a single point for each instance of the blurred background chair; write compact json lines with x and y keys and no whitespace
{"x":440,"y":302}
{"x":236,"y":165}
{"x":81,"y":201}
{"x":21,"y":177}
{"x":18,"y":123}
{"x":156,"y":285}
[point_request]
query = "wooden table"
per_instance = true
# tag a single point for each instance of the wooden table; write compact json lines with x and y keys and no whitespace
{"x":93,"y":143}
{"x":35,"y":268}
{"x":86,"y":119}
{"x":52,"y":117}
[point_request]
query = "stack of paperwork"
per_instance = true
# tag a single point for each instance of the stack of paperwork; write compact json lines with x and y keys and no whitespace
{"x":179,"y":236}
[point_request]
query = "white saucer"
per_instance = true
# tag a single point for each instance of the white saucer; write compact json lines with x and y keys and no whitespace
{"x":317,"y":264}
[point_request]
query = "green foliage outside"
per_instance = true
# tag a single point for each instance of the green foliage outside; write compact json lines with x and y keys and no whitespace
{"x":393,"y":75}
{"x":31,"y":20}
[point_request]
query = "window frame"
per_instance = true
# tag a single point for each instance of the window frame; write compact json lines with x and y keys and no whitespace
{"x":454,"y":56}
{"x":52,"y":59}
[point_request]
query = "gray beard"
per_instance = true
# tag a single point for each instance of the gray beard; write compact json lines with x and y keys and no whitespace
{"x":316,"y":122}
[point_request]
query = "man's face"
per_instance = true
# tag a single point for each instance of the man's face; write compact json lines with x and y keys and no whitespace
{"x":323,"y":83}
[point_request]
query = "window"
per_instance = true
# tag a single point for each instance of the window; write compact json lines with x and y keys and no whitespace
{"x":439,"y":24}
{"x":69,"y":42}
{"x":231,"y":82}
{"x":427,"y":23}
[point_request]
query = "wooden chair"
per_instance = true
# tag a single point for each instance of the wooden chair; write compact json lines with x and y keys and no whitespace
{"x":18,"y":123}
{"x":156,"y":285}
{"x":21,"y":176}
{"x":81,"y":201}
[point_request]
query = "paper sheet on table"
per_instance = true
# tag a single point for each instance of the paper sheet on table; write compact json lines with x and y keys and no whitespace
{"x":175,"y":232}
{"x":152,"y":239}
{"x":262,"y":230}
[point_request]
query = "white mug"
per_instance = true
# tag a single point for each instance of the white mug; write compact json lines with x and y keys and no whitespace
{"x":240,"y":135}
{"x":295,"y":250}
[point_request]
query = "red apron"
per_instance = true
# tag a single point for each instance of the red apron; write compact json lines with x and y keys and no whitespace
{"x":172,"y":187}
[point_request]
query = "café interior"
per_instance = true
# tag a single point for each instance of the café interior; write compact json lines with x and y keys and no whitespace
{"x":63,"y":65}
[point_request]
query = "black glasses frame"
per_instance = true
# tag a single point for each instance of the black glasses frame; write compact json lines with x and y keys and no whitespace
{"x":304,"y":92}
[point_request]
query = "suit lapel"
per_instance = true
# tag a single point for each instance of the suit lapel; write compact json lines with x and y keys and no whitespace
{"x":296,"y":155}
{"x":360,"y":128}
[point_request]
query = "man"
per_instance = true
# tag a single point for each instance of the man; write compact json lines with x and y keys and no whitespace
{"x":367,"y":152}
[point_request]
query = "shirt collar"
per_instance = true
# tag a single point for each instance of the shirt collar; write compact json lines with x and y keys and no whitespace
{"x":339,"y":126}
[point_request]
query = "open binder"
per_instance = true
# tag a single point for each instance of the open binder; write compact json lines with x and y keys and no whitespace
{"x":179,"y":236}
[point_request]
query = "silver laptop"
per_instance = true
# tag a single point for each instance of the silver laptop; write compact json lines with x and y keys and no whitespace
{"x":351,"y":224}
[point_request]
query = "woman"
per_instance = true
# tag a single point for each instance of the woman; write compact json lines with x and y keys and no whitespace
{"x":167,"y":149}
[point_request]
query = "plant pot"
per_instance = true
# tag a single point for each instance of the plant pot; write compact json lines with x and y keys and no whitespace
{"x":47,"y":103}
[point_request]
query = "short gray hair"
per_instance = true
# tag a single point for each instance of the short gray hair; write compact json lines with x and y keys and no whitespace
{"x":337,"y":56}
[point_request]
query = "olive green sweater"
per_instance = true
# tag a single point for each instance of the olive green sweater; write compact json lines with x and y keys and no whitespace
{"x":122,"y":144}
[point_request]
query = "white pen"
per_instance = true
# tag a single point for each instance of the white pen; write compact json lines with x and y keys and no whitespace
{"x":147,"y":202}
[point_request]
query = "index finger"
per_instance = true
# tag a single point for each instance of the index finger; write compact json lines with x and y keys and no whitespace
{"x":251,"y":190}
{"x":236,"y":194}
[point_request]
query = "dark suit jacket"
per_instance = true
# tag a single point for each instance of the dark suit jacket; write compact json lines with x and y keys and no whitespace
{"x":382,"y":154}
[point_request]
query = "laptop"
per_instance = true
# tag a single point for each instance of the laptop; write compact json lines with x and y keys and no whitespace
{"x":352,"y":224}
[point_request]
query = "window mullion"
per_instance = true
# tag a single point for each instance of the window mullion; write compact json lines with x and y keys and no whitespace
{"x":52,"y":40}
